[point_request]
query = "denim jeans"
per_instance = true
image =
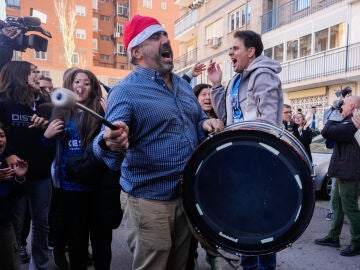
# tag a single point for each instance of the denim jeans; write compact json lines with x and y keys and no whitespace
{"x":263,"y":262}
{"x":38,"y":195}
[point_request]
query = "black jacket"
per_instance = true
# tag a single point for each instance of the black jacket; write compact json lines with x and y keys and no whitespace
{"x":23,"y":141}
{"x":345,"y":160}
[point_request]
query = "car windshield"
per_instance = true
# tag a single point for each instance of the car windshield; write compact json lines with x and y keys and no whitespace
{"x":318,"y":145}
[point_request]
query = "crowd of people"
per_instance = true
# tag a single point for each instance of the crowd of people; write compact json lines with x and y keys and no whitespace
{"x":76,"y":180}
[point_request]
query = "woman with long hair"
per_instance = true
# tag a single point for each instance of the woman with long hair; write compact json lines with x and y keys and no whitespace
{"x":19,"y":112}
{"x":78,"y":193}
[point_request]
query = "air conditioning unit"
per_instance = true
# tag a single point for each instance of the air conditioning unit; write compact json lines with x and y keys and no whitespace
{"x":117,"y":34}
{"x":214,"y":42}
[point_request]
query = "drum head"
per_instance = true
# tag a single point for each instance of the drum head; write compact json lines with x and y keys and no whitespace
{"x":247,"y":192}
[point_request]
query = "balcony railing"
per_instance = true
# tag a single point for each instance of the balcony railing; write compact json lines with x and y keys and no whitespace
{"x":292,"y":11}
{"x":185,"y":60}
{"x":340,"y":60}
{"x":185,"y":22}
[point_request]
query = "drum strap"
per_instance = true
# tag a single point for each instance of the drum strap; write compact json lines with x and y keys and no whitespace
{"x":236,"y":108}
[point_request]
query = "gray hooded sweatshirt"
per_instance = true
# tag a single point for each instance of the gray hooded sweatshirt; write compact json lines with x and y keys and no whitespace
{"x":260,"y":94}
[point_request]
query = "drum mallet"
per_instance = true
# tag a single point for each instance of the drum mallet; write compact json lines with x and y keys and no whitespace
{"x":66,"y":99}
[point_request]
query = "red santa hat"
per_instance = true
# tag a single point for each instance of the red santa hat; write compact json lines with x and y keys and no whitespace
{"x":138,"y":29}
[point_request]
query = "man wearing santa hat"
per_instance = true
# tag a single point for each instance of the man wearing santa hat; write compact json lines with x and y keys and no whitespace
{"x":159,"y":124}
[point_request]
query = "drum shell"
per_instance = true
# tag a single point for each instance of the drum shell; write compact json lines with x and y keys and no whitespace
{"x":232,"y":198}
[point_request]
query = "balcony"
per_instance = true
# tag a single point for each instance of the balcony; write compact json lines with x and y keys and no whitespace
{"x":292,"y":11}
{"x":343,"y":60}
{"x":185,"y":26}
{"x":185,"y":60}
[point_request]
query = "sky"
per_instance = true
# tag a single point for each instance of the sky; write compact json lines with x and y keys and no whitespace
{"x":2,"y":10}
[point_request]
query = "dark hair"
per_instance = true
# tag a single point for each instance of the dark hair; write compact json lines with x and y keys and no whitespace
{"x":287,"y":106}
{"x":197,"y":90}
{"x":251,"y":39}
{"x":14,"y":82}
{"x":88,"y":126}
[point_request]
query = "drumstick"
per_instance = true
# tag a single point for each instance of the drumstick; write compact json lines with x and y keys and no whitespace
{"x":65,"y":98}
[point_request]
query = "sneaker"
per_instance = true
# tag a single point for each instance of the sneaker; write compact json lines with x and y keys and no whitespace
{"x":23,"y":255}
{"x":213,"y":262}
{"x":327,"y":241}
{"x":350,"y":251}
{"x":60,"y":260}
{"x":329,"y":216}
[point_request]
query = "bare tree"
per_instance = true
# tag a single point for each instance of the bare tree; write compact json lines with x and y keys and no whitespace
{"x":65,"y":10}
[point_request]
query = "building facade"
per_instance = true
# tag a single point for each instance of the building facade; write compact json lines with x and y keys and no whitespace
{"x":98,"y":34}
{"x":314,"y":40}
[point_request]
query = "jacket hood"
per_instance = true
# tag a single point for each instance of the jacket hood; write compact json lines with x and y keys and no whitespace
{"x":263,"y":62}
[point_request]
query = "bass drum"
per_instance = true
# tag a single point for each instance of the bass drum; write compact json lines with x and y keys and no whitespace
{"x":249,"y":190}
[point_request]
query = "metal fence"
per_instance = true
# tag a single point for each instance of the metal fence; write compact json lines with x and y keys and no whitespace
{"x":340,"y":60}
{"x":185,"y":60}
{"x":185,"y":22}
{"x":292,"y":11}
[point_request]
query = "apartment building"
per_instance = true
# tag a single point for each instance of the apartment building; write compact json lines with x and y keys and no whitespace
{"x":98,"y":34}
{"x":315,"y":41}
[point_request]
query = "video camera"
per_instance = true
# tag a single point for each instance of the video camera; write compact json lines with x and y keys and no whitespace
{"x":334,"y":112}
{"x":32,"y":41}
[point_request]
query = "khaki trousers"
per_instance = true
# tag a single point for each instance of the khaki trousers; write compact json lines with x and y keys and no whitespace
{"x":159,"y":237}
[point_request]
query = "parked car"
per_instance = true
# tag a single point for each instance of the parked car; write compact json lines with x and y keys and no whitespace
{"x":321,"y":159}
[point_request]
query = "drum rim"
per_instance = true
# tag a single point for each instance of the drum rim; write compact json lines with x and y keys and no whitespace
{"x":281,"y":242}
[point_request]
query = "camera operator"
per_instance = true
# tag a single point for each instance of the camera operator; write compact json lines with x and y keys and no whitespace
{"x":6,"y":49}
{"x":288,"y":123}
{"x":344,"y":166}
{"x":12,"y":37}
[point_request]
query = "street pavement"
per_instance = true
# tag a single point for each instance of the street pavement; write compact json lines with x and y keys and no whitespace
{"x":303,"y":254}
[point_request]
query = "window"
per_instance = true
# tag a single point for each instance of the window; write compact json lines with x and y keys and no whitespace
{"x":147,"y":3}
{"x":338,"y":35}
{"x":121,"y":10}
{"x":13,"y":3}
{"x":40,"y":55}
{"x":279,"y":52}
{"x":163,"y":5}
{"x":119,"y":29}
{"x":75,"y":58}
{"x":95,"y":24}
{"x":95,"y":44}
{"x":239,"y":17}
{"x":120,"y":49}
{"x":95,"y":4}
{"x":268,"y":52}
{"x":105,"y":18}
{"x":105,"y":57}
{"x":107,"y":1}
{"x":105,"y":38}
{"x":45,"y":73}
{"x":80,"y":34}
{"x":301,"y":4}
{"x":321,"y":40}
{"x":292,"y":49}
{"x":80,"y":10}
{"x":213,"y":30}
{"x":305,"y":45}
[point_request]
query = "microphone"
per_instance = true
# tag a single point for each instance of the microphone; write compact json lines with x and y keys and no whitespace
{"x":66,"y":99}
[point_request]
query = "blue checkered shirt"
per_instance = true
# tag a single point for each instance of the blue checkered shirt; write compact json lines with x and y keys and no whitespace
{"x":164,"y":130}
